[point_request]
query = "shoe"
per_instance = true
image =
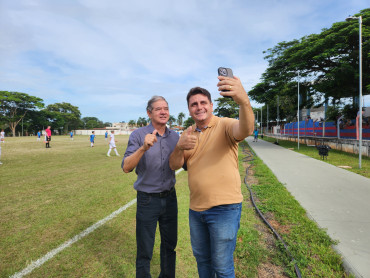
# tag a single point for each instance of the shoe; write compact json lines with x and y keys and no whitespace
{"x":108,"y":155}
{"x":1,"y":163}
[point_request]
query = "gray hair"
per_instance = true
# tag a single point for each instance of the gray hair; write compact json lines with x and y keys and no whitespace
{"x":149,"y":107}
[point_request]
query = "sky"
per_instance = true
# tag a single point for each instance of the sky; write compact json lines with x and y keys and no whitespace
{"x":110,"y":57}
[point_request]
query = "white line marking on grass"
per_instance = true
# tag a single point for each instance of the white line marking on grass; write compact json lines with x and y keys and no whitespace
{"x":76,"y":238}
{"x":68,"y":243}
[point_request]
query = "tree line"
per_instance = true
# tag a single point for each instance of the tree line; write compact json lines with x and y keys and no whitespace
{"x":325,"y":66}
{"x":22,"y":112}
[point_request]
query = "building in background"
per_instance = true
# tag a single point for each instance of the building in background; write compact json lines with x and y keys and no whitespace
{"x":119,"y":129}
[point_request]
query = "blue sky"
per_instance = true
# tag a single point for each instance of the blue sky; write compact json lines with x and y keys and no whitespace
{"x":109,"y":57}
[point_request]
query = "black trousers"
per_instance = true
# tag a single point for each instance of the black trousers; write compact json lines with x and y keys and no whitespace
{"x":150,"y":210}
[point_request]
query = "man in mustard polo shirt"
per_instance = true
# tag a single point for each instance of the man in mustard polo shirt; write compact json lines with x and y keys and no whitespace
{"x":209,"y":150}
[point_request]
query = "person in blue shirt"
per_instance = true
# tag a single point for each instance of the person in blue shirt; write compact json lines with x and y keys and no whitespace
{"x":148,"y":150}
{"x":38,"y":135}
{"x":71,"y":134}
{"x":92,"y":138}
{"x":106,"y":135}
{"x":255,"y":135}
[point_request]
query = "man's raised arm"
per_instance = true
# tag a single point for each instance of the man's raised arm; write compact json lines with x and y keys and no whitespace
{"x":235,"y":89}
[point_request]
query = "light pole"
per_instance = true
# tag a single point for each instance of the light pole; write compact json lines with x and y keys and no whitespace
{"x":261,"y":121}
{"x":267,"y":118}
{"x":360,"y":85}
{"x":278,"y":118}
{"x":298,"y":111}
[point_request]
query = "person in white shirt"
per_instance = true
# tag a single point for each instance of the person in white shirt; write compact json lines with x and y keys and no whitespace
{"x":112,"y":144}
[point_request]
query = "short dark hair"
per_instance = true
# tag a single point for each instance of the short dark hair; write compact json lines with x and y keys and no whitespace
{"x":196,"y":91}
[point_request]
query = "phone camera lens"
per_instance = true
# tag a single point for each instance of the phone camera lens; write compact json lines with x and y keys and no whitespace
{"x":223,"y":72}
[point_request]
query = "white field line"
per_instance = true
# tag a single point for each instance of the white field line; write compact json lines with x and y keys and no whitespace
{"x":76,"y":238}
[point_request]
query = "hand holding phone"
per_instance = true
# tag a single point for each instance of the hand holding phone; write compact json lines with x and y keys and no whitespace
{"x":225,"y":72}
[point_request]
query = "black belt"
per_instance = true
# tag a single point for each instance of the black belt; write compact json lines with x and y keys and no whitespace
{"x":161,"y":194}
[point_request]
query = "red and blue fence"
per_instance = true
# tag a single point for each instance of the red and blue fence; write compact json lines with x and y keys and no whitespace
{"x":316,"y":129}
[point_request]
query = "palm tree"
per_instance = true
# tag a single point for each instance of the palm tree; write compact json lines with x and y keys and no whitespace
{"x":179,"y":118}
{"x":171,"y":120}
{"x":141,"y":121}
{"x":131,"y":123}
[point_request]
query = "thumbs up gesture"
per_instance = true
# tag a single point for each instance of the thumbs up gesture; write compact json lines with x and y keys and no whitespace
{"x":187,"y":140}
{"x":150,"y":139}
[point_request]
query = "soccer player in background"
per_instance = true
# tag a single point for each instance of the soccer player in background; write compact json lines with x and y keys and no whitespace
{"x":112,"y":144}
{"x":92,"y":138}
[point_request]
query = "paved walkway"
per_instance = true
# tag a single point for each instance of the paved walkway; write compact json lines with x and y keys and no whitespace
{"x":338,"y":200}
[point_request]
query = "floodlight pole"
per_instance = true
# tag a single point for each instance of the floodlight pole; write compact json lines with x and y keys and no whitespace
{"x":360,"y":87}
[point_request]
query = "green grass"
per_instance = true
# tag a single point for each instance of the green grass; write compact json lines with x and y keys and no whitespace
{"x":335,"y":157}
{"x":309,"y":244}
{"x":50,"y":195}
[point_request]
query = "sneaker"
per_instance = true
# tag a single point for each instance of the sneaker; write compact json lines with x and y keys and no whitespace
{"x":1,"y":163}
{"x":108,"y":155}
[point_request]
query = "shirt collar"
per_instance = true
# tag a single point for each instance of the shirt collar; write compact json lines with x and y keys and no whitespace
{"x":151,"y":129}
{"x":213,"y":121}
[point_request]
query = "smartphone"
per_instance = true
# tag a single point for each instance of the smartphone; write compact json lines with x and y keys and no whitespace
{"x":225,"y":72}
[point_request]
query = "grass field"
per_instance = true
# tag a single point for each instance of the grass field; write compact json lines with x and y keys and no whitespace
{"x":335,"y":157}
{"x":48,"y":196}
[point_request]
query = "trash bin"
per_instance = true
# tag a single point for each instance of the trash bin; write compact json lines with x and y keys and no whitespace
{"x":323,"y":151}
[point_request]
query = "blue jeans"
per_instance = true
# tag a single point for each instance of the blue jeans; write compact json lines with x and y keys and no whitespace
{"x":213,"y":238}
{"x":150,"y":210}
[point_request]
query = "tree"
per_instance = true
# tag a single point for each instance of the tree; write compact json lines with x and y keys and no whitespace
{"x":142,"y":121}
{"x":92,"y":122}
{"x":227,"y":107}
{"x":327,"y":64}
{"x":39,"y":120}
{"x":171,"y":120}
{"x":131,"y":123}
{"x":15,"y":105}
{"x":69,"y":113}
{"x":180,"y":117}
{"x":188,"y":122}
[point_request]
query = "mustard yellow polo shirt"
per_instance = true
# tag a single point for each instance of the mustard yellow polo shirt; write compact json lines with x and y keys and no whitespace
{"x":213,"y":172}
